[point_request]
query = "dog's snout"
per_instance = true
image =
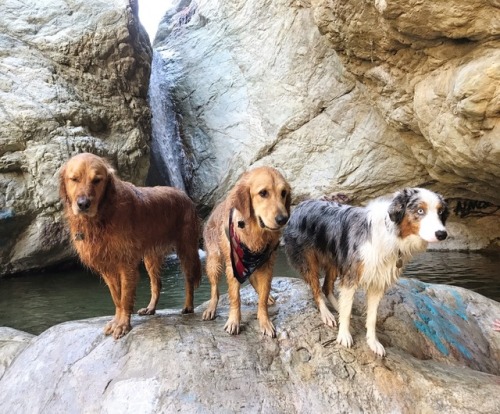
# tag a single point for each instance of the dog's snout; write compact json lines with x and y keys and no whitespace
{"x":281,"y":219}
{"x":83,"y":203}
{"x":441,"y":234}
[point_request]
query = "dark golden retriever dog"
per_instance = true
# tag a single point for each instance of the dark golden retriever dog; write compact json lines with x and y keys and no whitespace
{"x":241,"y":237}
{"x":114,"y":225}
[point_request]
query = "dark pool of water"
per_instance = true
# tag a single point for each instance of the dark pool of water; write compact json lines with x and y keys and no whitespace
{"x":35,"y":302}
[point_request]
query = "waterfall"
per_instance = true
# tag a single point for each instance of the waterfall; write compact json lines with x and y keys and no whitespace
{"x":167,"y":155}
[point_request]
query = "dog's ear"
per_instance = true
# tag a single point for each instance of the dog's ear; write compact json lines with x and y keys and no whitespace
{"x":288,"y":201}
{"x":110,"y":189}
{"x":397,"y":209}
{"x":445,"y":211}
{"x":242,"y":201}
{"x":62,"y":184}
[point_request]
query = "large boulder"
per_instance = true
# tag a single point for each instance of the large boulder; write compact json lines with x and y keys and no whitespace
{"x":73,"y":77}
{"x":442,"y":356}
{"x":354,"y":97}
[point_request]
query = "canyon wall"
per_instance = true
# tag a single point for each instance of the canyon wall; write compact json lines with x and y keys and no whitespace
{"x":73,"y":78}
{"x":358,"y":98}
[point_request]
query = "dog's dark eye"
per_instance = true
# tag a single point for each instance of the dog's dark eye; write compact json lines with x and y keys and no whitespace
{"x":283,"y":194}
{"x":263,"y":193}
{"x":74,"y":179}
{"x":420,"y":211}
{"x":96,"y":180}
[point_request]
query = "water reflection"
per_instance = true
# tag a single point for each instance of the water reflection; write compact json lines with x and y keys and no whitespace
{"x":33,"y":303}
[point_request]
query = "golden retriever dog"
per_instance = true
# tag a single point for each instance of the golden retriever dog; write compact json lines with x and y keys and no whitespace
{"x":114,"y":225}
{"x":241,"y":236}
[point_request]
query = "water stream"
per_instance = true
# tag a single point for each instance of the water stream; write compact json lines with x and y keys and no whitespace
{"x":35,"y":302}
{"x":167,"y":156}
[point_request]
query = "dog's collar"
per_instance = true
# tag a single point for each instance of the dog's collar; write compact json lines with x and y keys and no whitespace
{"x":244,"y":261}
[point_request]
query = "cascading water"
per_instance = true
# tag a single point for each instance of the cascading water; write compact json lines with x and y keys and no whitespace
{"x":167,"y":155}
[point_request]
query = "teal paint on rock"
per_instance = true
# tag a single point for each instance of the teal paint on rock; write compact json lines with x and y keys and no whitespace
{"x":437,"y":320}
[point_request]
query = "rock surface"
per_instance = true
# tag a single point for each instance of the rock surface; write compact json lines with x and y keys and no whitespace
{"x":349,"y":97}
{"x":443,"y":356}
{"x":73,"y":78}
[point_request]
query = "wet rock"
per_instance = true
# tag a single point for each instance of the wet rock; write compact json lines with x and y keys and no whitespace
{"x":442,"y":356}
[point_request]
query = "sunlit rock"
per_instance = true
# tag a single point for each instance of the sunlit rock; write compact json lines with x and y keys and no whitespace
{"x":358,"y":98}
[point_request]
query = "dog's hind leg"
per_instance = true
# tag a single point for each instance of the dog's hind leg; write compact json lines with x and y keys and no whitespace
{"x":153,"y":263}
{"x":270,"y":301}
{"x":191,"y":267}
{"x":346,"y":299}
{"x":310,"y":274}
{"x":213,"y":269}
{"x":373,"y":297}
{"x":330,"y":276}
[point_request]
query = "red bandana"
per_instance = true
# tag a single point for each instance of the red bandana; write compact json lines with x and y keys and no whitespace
{"x":243,"y":260}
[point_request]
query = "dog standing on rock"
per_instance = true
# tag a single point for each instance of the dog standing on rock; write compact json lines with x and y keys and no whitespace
{"x":114,"y":225}
{"x":362,"y":246}
{"x":241,"y":237}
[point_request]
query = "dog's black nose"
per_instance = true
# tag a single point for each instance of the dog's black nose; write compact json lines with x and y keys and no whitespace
{"x":441,"y":235}
{"x":281,"y":219}
{"x":83,"y":203}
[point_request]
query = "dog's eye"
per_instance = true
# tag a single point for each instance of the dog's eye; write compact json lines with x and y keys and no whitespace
{"x":96,"y":180}
{"x":283,"y":194}
{"x":420,"y":211}
{"x":263,"y":193}
{"x":74,"y":179}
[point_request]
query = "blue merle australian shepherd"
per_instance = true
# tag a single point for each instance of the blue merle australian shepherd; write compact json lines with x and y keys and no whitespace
{"x":364,"y":247}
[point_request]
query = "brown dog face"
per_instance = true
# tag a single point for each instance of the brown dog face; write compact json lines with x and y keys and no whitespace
{"x":264,"y":194}
{"x":83,"y":182}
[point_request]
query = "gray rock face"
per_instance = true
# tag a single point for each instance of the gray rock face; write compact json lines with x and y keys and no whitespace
{"x":73,"y":78}
{"x":359,"y":98}
{"x":442,"y":357}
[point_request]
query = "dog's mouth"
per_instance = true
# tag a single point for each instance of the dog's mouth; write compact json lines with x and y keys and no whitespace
{"x":263,"y":225}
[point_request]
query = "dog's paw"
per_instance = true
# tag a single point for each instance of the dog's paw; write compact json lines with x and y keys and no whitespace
{"x":267,"y":328}
{"x":110,"y":327}
{"x":345,"y":339}
{"x":121,"y":330}
{"x":232,"y":327}
{"x":376,"y":347}
{"x":187,"y":310}
{"x":208,"y":314}
{"x":327,"y":317}
{"x":146,"y":311}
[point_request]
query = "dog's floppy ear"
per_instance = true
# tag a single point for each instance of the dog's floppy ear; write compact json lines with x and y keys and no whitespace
{"x":445,"y":211}
{"x":288,"y":201}
{"x":397,"y":209}
{"x":62,"y":184}
{"x":241,"y":200}
{"x":110,"y":189}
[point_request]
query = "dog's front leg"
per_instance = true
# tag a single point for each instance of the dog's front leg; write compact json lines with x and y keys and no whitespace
{"x":232,"y":325}
{"x":114,"y":285}
{"x":261,"y":281}
{"x":346,"y":299}
{"x":128,"y":278}
{"x":373,"y":297}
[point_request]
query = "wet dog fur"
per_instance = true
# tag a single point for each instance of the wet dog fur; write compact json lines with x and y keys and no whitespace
{"x":363,"y":247}
{"x":114,"y":225}
{"x":261,"y":201}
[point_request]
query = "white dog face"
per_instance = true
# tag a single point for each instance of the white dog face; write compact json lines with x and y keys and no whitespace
{"x":420,"y":212}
